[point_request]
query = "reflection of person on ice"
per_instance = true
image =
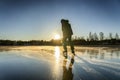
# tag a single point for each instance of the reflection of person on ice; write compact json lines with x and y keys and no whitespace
{"x":67,"y":72}
{"x":67,"y":35}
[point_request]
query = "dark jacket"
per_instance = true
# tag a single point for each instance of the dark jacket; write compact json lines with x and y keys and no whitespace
{"x":67,"y":30}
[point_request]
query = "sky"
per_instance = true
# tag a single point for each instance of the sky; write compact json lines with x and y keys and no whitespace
{"x":40,"y":19}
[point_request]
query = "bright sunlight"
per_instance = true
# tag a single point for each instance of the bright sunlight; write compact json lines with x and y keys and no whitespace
{"x":57,"y":36}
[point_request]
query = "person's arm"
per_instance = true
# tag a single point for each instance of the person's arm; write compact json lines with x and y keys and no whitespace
{"x":62,"y":27}
{"x":71,"y":29}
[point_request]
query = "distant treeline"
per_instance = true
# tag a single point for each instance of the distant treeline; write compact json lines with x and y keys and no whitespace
{"x":29,"y":43}
{"x":92,"y":39}
{"x":98,"y":39}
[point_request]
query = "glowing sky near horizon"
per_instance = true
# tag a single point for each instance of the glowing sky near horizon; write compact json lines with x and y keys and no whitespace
{"x":40,"y":19}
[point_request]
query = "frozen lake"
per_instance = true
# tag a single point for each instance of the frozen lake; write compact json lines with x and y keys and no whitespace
{"x":48,"y":63}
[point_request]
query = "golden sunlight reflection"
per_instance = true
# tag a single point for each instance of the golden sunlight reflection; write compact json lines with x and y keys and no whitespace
{"x":57,"y":68}
{"x":57,"y":53}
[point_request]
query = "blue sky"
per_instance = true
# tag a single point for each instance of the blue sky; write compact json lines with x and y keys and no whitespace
{"x":40,"y":19}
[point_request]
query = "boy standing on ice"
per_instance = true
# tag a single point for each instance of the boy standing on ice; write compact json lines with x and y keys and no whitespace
{"x":67,"y":35}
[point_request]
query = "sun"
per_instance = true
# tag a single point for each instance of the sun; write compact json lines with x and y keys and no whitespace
{"x":57,"y":36}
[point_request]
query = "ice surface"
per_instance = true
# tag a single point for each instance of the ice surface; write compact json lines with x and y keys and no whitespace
{"x":48,"y":63}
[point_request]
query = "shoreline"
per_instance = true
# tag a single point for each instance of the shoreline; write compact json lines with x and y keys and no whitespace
{"x":68,"y":45}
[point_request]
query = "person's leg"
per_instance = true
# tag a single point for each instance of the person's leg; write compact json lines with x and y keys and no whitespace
{"x":71,"y":44}
{"x":65,"y":44}
{"x":65,"y":47}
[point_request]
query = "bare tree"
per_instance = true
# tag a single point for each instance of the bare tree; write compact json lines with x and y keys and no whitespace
{"x":116,"y":36}
{"x":95,"y":37}
{"x":101,"y":35}
{"x":110,"y":36}
{"x":90,"y":36}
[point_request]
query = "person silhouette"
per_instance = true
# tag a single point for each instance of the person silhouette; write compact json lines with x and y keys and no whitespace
{"x":67,"y":35}
{"x":67,"y":72}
